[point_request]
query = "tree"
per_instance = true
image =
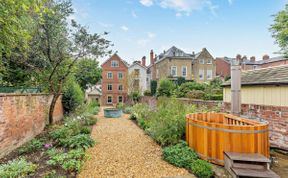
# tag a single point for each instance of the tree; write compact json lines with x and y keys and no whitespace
{"x":56,"y":48}
{"x":88,"y":72}
{"x":166,"y":88}
{"x":280,"y":30}
{"x":153,"y":87}
{"x":16,"y":24}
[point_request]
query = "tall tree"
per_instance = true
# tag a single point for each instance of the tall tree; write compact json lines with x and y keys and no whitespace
{"x":56,"y":48}
{"x":88,"y":72}
{"x":280,"y":30}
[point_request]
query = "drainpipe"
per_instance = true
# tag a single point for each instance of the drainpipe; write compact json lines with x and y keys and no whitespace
{"x":236,"y":86}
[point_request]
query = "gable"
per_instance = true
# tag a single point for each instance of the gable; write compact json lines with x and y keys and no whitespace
{"x":115,"y":57}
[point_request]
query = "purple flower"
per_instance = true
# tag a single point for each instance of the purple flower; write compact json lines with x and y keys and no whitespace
{"x":48,"y":145}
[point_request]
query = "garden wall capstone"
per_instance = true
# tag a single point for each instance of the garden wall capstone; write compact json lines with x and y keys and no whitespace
{"x":22,"y":117}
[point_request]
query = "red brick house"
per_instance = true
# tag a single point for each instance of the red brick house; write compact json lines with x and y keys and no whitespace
{"x":114,"y":81}
{"x":222,"y":67}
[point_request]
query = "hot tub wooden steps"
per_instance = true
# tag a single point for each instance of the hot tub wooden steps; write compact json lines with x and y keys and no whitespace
{"x":248,"y":165}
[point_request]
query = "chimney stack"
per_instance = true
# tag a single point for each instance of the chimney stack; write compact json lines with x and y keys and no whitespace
{"x":265,"y":57}
{"x":152,"y":57}
{"x":252,"y":59}
{"x":144,"y":60}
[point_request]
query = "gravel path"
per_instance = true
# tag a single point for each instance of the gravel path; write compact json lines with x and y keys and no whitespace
{"x":123,"y":150}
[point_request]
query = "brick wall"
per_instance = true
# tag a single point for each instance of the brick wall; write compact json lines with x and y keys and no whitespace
{"x":277,"y":118}
{"x":22,"y":117}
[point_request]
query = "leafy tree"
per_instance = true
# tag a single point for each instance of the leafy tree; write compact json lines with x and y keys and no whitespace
{"x":180,"y":80}
{"x":153,"y":87}
{"x":56,"y":48}
{"x":280,"y":29}
{"x":166,"y":88}
{"x":88,"y":72}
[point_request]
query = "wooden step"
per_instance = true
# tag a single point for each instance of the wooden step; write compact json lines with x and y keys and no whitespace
{"x":241,"y":172}
{"x":250,"y":166}
{"x":247,"y":157}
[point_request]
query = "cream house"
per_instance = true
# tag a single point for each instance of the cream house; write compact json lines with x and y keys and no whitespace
{"x":137,"y":77}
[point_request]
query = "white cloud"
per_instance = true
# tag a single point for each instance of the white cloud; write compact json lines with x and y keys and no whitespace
{"x":230,"y":2}
{"x":146,"y":2}
{"x":142,"y":42}
{"x":124,"y":28}
{"x":105,"y":25}
{"x":133,"y":13}
{"x":183,"y":6}
{"x":151,"y":35}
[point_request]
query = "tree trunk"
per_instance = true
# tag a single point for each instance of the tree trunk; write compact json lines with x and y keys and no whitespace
{"x":52,"y":107}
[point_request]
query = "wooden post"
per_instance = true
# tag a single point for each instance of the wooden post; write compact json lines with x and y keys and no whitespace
{"x":236,"y":86}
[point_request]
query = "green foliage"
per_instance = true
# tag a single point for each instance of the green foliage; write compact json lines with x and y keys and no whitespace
{"x":78,"y":141}
{"x":127,"y":110}
{"x":92,"y":107}
{"x":180,"y":81}
{"x":280,"y":29}
{"x":89,"y":121}
{"x":17,"y":168}
{"x":71,"y":161}
{"x":88,"y":73}
{"x":166,"y":88}
{"x":189,"y":86}
{"x":85,"y":130}
{"x":167,"y":124}
{"x":140,"y":114}
{"x":153,"y":87}
{"x":214,"y":97}
{"x":135,"y":96}
{"x":73,"y":96}
{"x":179,"y":155}
{"x":195,"y":94}
{"x":147,"y":93}
{"x":31,"y":146}
{"x":202,"y":169}
{"x":61,"y":133}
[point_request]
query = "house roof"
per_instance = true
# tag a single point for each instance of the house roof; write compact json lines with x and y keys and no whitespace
{"x":95,"y":90}
{"x":174,"y":52}
{"x":139,"y":64}
{"x":117,"y":56}
{"x":266,"y":76}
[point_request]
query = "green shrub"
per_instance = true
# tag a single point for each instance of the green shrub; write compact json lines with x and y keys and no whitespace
{"x":90,"y":120}
{"x":31,"y":146}
{"x":60,"y":133}
{"x":202,"y":169}
{"x":17,"y":168}
{"x":85,"y":130}
{"x":140,"y":114}
{"x":71,"y":161}
{"x":73,"y":96}
{"x":195,"y":94}
{"x":147,"y":93}
{"x":120,"y":105}
{"x":153,"y":87}
{"x":92,"y":107}
{"x":214,"y":97}
{"x":135,"y":96}
{"x":78,"y":141}
{"x":189,"y":86}
{"x":127,"y":110}
{"x":179,"y":155}
{"x":167,"y":125}
{"x":166,"y":88}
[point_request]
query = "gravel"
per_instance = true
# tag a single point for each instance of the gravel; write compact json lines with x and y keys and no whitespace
{"x":123,"y":150}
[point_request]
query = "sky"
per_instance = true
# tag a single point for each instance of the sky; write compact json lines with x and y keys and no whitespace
{"x":224,"y":27}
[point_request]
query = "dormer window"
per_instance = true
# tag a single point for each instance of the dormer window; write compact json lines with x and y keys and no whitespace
{"x":114,"y":63}
{"x":209,"y":61}
{"x":201,"y":61}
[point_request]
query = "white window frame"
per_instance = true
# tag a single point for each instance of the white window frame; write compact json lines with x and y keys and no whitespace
{"x":202,"y":71}
{"x":121,"y":74}
{"x":114,"y":63}
{"x":209,"y":61}
{"x":202,"y":61}
{"x":108,"y":75}
{"x":122,"y":99}
{"x":171,"y":69}
{"x":119,"y":86}
{"x":211,"y":77}
{"x":108,"y":87}
{"x":108,"y":99}
{"x":182,"y":71}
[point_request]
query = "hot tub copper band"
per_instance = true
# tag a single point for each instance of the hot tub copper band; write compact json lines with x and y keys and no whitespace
{"x":230,"y":130}
{"x":210,"y":158}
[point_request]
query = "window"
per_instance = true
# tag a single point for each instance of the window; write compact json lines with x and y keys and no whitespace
{"x":109,"y":87}
{"x":201,"y":61}
{"x":173,"y":71}
{"x":120,"y":87}
{"x":109,"y":99}
{"x":201,"y":74}
{"x":209,"y":61}
{"x":120,"y":75}
{"x":120,"y":99}
{"x":184,"y":71}
{"x":109,"y":75}
{"x":114,"y":64}
{"x":209,"y":74}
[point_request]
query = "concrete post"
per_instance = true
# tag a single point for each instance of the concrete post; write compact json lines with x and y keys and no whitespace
{"x":236,"y":87}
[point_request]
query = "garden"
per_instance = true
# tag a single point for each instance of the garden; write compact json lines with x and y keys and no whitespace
{"x":166,"y":125}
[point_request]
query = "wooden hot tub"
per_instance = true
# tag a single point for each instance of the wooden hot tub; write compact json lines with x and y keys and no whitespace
{"x":210,"y":134}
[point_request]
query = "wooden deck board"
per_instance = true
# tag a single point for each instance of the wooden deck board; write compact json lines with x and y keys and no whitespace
{"x":254,"y":173}
{"x":248,"y":157}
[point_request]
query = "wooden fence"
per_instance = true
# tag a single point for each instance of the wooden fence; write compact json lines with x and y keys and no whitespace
{"x":210,"y":134}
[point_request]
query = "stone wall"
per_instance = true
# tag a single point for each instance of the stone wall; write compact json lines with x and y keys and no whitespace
{"x":276,"y":116}
{"x":22,"y":117}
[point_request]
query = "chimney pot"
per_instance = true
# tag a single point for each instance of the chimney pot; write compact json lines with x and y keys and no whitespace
{"x":144,"y":60}
{"x":265,"y":57}
{"x":252,"y":59}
